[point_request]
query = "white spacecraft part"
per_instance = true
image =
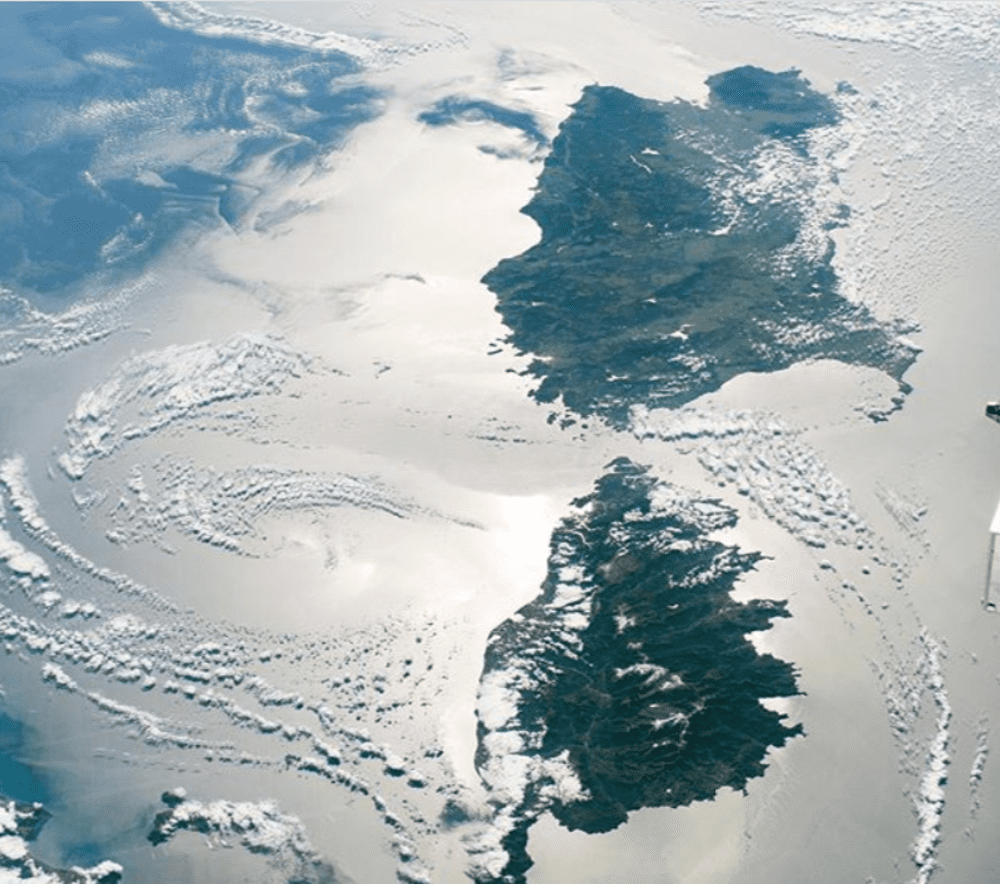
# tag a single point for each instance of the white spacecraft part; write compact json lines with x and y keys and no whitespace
{"x":988,"y":603}
{"x":993,"y":413}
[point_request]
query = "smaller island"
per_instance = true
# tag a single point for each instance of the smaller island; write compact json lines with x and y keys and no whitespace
{"x":630,"y":681}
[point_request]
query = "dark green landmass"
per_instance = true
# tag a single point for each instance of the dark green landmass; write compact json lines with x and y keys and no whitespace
{"x":656,"y":699}
{"x":665,"y":266}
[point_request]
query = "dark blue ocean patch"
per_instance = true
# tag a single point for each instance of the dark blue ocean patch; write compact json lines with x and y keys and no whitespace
{"x":455,"y":109}
{"x":18,"y":779}
{"x":117,"y":132}
{"x":668,"y":265}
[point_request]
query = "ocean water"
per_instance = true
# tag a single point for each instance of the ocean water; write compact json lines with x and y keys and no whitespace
{"x":18,"y":780}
